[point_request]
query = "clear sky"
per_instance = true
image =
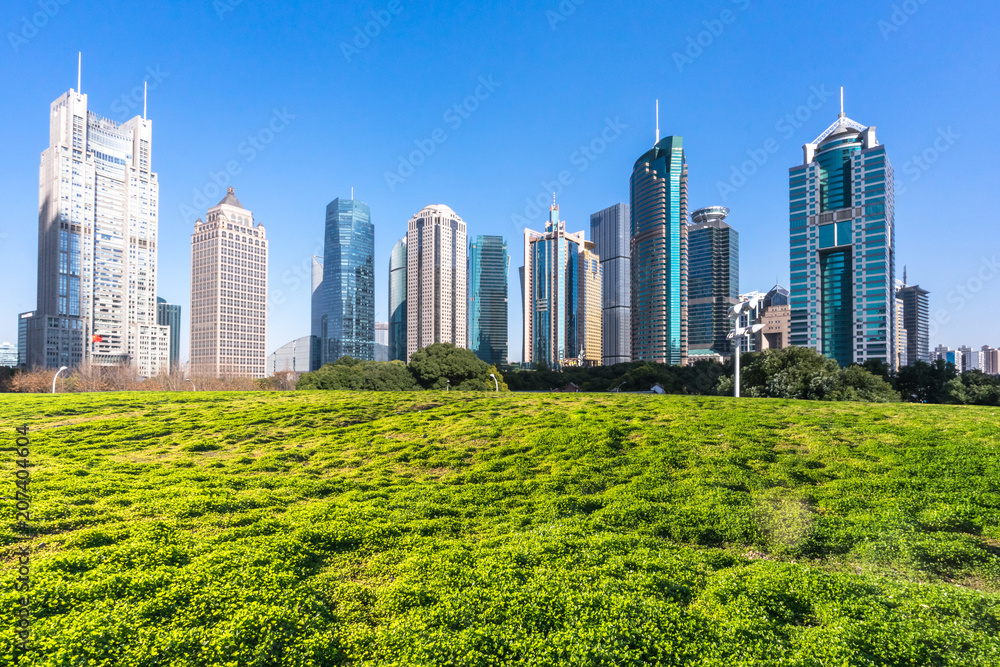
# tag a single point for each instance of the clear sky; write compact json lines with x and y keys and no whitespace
{"x":303,"y":105}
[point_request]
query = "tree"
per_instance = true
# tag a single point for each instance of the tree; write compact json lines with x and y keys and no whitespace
{"x":442,"y":364}
{"x":348,"y":373}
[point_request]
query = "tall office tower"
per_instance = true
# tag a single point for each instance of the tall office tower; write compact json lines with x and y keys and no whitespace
{"x":562,"y":297}
{"x":347,"y":301}
{"x":713,"y":282}
{"x":397,"y":301}
{"x":22,"y":337}
{"x":228,"y":292}
{"x":169,"y":315}
{"x":97,"y":234}
{"x":902,"y":342}
{"x":316,"y":314}
{"x":489,"y":264}
{"x":991,"y":360}
{"x":916,"y":321}
{"x":436,"y":287}
{"x":658,"y":233}
{"x":609,"y":229}
{"x":843,"y":246}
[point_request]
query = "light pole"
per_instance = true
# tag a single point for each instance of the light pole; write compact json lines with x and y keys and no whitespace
{"x":193,"y":388}
{"x":739,"y":333}
{"x":495,"y":382}
{"x":618,"y":389}
{"x":64,"y":368}
{"x":447,"y":385}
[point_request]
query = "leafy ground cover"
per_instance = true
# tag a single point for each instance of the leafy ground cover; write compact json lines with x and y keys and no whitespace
{"x":454,"y":528}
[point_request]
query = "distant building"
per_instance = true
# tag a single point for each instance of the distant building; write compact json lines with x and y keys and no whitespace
{"x":316,"y":312}
{"x":713,"y":282}
{"x":8,"y":355}
{"x":609,"y":230}
{"x":169,"y":315}
{"x":397,"y":302}
{"x":229,"y":292}
{"x":381,"y":341}
{"x":916,"y":320}
{"x":489,"y":264}
{"x":991,"y":360}
{"x":972,"y":360}
{"x":774,"y":313}
{"x":948,"y":355}
{"x":436,"y":282}
{"x":22,"y":337}
{"x":902,"y":340}
{"x":295,"y":356}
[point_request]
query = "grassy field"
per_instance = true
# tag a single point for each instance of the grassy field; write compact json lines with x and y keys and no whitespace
{"x":450,"y":528}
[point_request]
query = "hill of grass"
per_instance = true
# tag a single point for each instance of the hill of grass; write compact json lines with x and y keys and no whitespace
{"x":450,"y":528}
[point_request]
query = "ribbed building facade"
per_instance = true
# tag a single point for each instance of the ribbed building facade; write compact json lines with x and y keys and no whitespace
{"x":713,"y":282}
{"x":609,"y":230}
{"x":229,"y":292}
{"x":436,"y":281}
{"x":397,"y":301}
{"x":97,"y":244}
{"x":842,"y":257}
{"x":489,"y":263}
{"x":916,"y":321}
{"x":658,"y":236}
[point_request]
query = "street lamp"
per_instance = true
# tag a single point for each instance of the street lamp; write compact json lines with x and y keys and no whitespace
{"x":193,"y":388}
{"x":618,"y":389}
{"x":495,"y":382}
{"x":64,"y":368}
{"x":447,"y":384}
{"x":739,"y":333}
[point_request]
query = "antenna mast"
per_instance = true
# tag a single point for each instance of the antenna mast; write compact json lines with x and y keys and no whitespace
{"x":79,"y":69}
{"x":145,"y":95}
{"x":842,"y":102}
{"x":657,"y":122}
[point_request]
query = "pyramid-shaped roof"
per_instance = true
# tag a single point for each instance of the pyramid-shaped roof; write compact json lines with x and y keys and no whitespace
{"x":231,"y":200}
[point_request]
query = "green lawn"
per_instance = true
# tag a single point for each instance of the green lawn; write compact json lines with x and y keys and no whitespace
{"x":327,"y":528}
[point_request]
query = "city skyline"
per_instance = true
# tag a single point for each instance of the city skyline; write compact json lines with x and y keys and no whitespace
{"x":748,"y":151}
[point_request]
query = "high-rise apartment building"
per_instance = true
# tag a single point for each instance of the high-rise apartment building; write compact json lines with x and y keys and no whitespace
{"x":397,"y":301}
{"x":609,"y":230}
{"x":436,"y":283}
{"x":843,"y":246}
{"x":489,"y":264}
{"x":658,"y":235}
{"x":991,"y":360}
{"x":561,"y":297}
{"x":23,"y":319}
{"x":972,"y":360}
{"x":916,"y":321}
{"x":713,"y":282}
{"x":97,"y":240}
{"x":169,"y":315}
{"x":347,"y":293}
{"x":229,"y":292}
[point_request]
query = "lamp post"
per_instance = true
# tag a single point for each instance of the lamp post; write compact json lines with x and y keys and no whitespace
{"x":618,"y":389}
{"x":495,"y":382}
{"x":64,"y":368}
{"x":739,"y":333}
{"x":447,"y":384}
{"x":193,"y":388}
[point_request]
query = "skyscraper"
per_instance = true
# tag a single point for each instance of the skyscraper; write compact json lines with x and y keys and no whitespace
{"x":713,"y":282}
{"x":347,"y":301}
{"x":658,"y":234}
{"x":23,"y":319}
{"x":228,"y":292}
{"x":97,"y":241}
{"x":609,"y":229}
{"x":489,"y":264}
{"x":842,"y":257}
{"x":316,"y":313}
{"x":397,"y":301}
{"x":561,"y":297}
{"x":916,"y":321}
{"x":169,"y":315}
{"x":436,"y":287}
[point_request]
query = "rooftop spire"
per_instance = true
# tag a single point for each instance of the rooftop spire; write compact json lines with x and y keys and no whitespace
{"x":842,"y":114}
{"x":145,"y":95}
{"x":657,"y":122}
{"x":79,"y":70}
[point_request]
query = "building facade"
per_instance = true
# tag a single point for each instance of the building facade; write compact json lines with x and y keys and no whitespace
{"x":97,"y":244}
{"x":23,"y":319}
{"x":561,"y":297}
{"x":842,"y":258}
{"x":169,"y":315}
{"x":991,"y":360}
{"x":609,"y":230}
{"x":316,"y":312}
{"x":397,"y":302}
{"x":436,"y":281}
{"x":658,"y":238}
{"x":295,"y":357}
{"x":713,"y":282}
{"x":229,"y":292}
{"x":916,"y":321}
{"x":347,"y":293}
{"x":489,"y":265}
{"x":8,"y":355}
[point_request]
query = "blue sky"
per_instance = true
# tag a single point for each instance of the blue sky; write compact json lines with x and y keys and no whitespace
{"x":303,"y":106}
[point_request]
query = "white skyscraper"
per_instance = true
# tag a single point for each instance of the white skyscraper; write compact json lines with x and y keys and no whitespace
{"x":436,"y":288}
{"x":97,"y":239}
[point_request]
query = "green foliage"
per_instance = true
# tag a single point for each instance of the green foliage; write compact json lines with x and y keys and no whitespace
{"x":332,"y":528}
{"x":349,"y":373}
{"x":442,"y":365}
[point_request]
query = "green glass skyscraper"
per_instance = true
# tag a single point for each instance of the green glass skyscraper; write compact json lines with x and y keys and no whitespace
{"x":658,"y":230}
{"x":488,"y":267}
{"x":842,"y":258}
